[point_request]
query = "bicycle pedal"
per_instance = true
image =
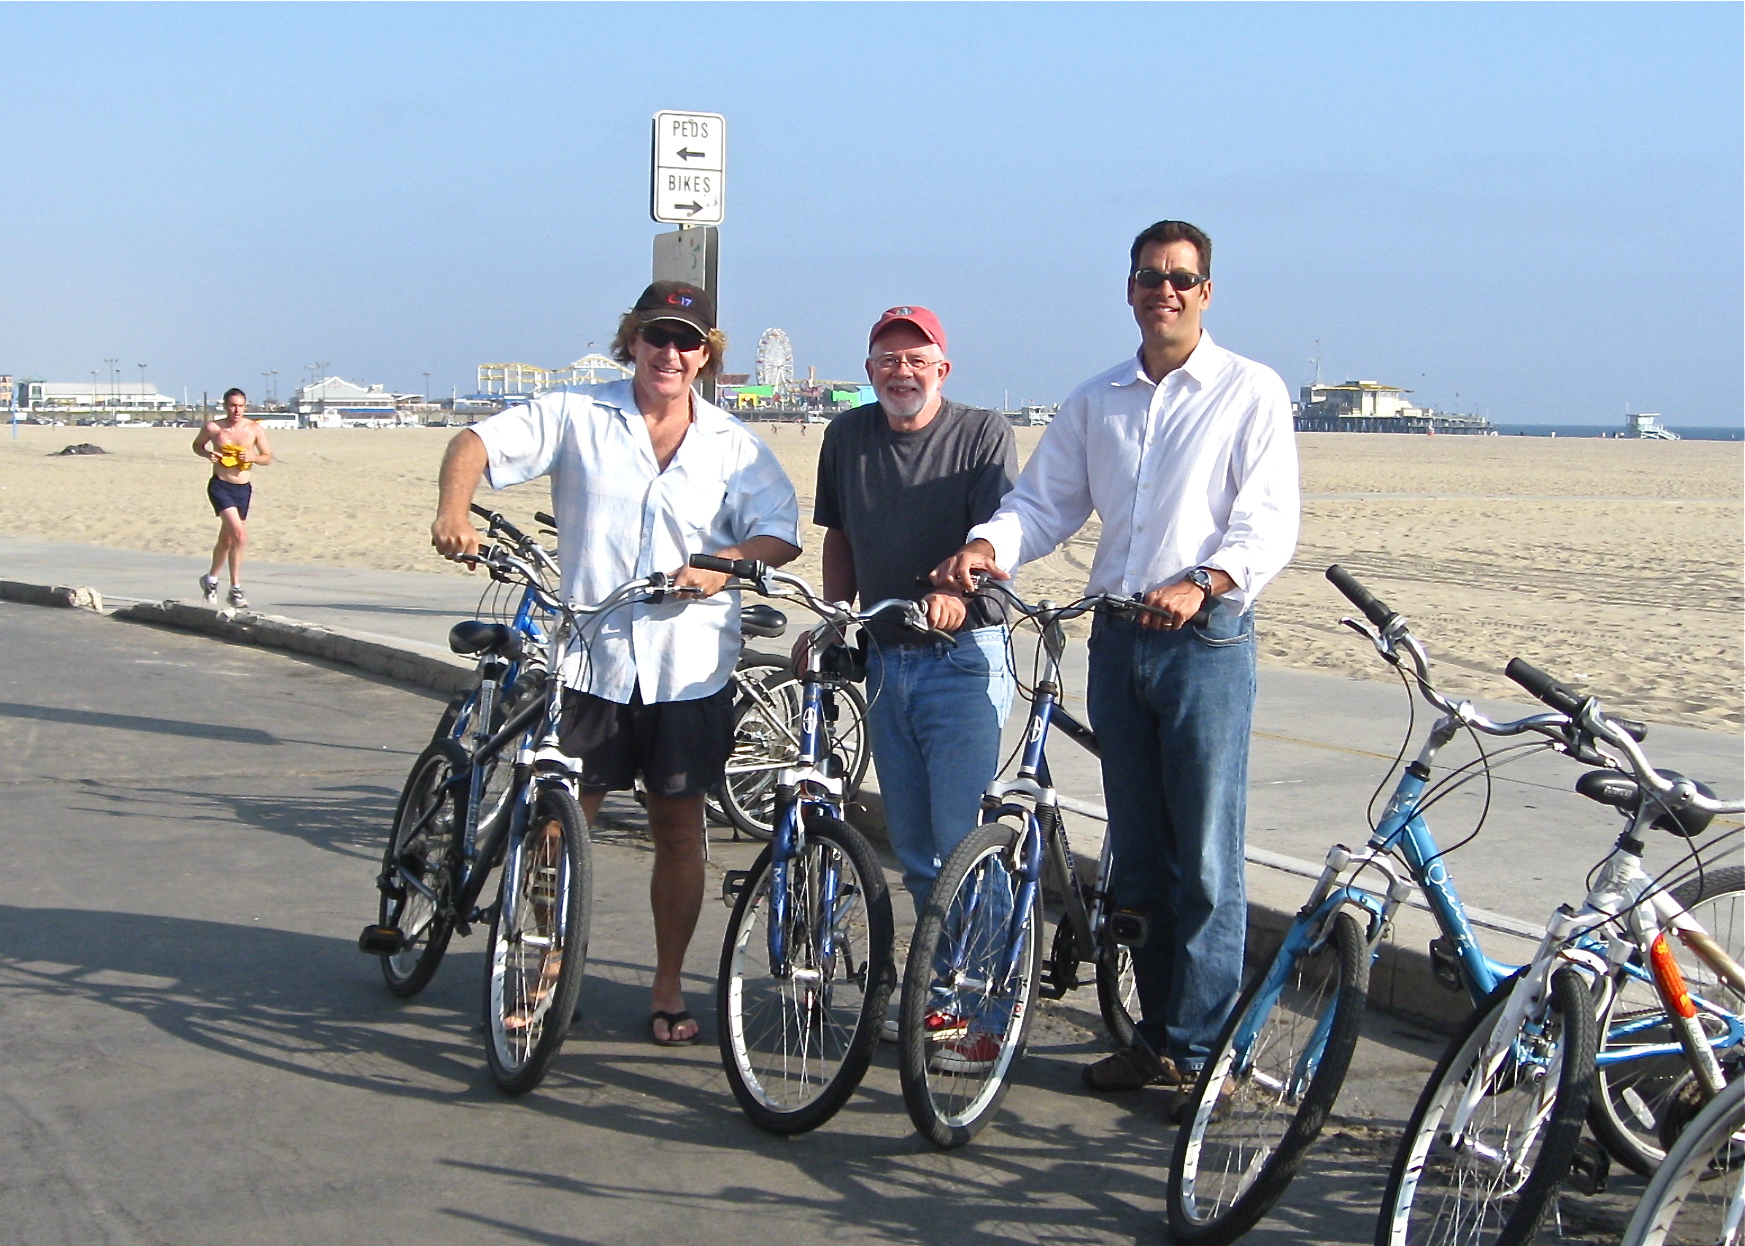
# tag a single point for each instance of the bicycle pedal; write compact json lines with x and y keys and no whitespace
{"x":732,"y":883}
{"x":1444,"y":966}
{"x":1590,"y":1168}
{"x":1129,"y":927}
{"x":381,"y":940}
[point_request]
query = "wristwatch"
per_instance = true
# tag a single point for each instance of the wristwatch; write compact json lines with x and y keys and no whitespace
{"x":1201,"y":579}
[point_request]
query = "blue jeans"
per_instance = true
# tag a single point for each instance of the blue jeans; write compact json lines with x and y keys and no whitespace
{"x":934,"y":714}
{"x":1172,"y":712}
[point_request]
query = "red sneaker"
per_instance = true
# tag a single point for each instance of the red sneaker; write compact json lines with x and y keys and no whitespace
{"x":942,"y":1024}
{"x":967,"y":1055}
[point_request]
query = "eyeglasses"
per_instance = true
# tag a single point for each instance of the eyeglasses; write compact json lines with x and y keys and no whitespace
{"x":915,"y":363}
{"x":683,"y":340}
{"x":1178,"y":278}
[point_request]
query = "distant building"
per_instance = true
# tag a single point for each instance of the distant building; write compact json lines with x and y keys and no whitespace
{"x":1371,"y":407}
{"x":124,"y":400}
{"x":1646,"y":426}
{"x":334,"y":401}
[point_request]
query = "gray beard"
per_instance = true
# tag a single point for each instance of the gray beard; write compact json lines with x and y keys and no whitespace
{"x":904,"y":408}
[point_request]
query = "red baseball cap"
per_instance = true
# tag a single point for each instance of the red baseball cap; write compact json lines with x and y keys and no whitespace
{"x":920,"y":317}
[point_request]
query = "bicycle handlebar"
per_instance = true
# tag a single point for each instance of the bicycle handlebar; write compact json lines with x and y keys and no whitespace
{"x":1564,"y":699}
{"x":758,"y":577}
{"x":1374,"y":609}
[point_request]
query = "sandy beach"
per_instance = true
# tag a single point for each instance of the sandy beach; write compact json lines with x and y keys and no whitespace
{"x":1615,"y":564}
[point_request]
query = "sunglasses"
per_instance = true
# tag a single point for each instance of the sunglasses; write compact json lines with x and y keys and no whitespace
{"x":682,"y":340}
{"x":1178,"y":278}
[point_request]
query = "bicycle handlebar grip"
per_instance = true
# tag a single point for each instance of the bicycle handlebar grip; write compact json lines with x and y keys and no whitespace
{"x":1543,"y":686}
{"x":1375,"y":610}
{"x":542,"y":517}
{"x":1637,"y":731}
{"x":742,"y":568}
{"x":482,"y":513}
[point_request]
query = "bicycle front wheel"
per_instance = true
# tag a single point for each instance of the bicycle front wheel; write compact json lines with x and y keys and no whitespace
{"x":1491,"y":1183}
{"x":967,"y":992}
{"x":1697,"y":1198}
{"x":539,"y":941}
{"x":1268,"y":1087}
{"x":420,"y":869}
{"x":1640,"y":1105}
{"x":797,"y":1026}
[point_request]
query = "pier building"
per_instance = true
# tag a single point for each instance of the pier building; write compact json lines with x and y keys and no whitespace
{"x":1371,"y":407}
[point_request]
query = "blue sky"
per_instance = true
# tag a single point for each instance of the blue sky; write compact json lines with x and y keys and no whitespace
{"x":1534,"y":207}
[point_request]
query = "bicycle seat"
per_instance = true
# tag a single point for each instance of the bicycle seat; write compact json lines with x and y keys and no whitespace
{"x":475,"y":636}
{"x":762,"y":620}
{"x":1620,"y":791}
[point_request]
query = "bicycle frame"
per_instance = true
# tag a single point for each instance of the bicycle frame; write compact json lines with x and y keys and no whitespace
{"x":801,"y":787}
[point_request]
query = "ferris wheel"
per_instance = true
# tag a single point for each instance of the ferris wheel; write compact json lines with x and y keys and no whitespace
{"x":775,"y":359}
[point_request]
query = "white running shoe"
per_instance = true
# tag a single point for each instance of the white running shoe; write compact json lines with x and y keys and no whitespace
{"x":237,"y":600}
{"x":209,"y":589}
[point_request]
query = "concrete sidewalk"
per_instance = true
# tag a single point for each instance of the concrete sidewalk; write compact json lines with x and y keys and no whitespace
{"x":1321,"y":744}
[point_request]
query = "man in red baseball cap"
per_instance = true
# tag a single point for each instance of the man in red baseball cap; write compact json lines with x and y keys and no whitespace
{"x":900,"y":483}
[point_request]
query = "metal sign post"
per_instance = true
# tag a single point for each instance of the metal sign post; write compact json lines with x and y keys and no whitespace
{"x":688,"y":164}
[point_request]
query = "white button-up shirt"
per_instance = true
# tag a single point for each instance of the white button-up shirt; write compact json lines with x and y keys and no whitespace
{"x":1197,"y":471}
{"x":620,"y":516}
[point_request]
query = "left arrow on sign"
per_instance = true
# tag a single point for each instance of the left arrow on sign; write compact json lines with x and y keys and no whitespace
{"x":685,"y":153}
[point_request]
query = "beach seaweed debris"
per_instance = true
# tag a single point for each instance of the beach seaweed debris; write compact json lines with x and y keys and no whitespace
{"x":84,"y":447}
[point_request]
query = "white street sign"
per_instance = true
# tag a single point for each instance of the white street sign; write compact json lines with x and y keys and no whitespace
{"x":690,"y":168}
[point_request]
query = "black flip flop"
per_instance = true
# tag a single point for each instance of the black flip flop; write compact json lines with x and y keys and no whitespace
{"x":673,"y":1021}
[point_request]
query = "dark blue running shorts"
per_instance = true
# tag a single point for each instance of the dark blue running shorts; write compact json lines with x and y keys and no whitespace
{"x":225,"y":495}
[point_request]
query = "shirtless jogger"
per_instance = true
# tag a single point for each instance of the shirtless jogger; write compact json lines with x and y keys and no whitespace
{"x":233,"y":444}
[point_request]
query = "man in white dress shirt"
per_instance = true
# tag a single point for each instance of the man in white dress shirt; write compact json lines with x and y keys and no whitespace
{"x":644,"y":474}
{"x":1187,"y":454}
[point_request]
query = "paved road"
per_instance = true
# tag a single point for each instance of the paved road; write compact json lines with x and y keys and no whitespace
{"x":197,"y":1054}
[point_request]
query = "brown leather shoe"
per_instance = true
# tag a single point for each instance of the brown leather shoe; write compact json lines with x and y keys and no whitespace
{"x":1132,"y":1068}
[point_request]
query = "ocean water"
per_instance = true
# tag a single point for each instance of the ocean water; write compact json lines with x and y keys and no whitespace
{"x":1604,"y":430}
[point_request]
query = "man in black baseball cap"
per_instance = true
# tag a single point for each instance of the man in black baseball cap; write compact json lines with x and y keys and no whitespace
{"x":644,"y":473}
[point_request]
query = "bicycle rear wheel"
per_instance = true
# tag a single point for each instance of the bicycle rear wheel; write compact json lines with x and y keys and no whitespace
{"x":1697,"y":1198}
{"x":420,"y":869}
{"x":1118,"y":993}
{"x":960,"y":1027}
{"x":1640,"y":1105}
{"x":539,"y":941}
{"x":1267,"y":1089}
{"x":796,"y":1038}
{"x":766,"y":736}
{"x":1493,"y":1184}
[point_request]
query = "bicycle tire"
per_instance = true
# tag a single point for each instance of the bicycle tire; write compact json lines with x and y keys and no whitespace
{"x":1676,"y":1208}
{"x":766,"y":727}
{"x":1427,"y":1200}
{"x":953,"y":1082}
{"x":429,"y":853}
{"x":1631,"y":1100}
{"x":538,"y":944}
{"x":1117,"y":993}
{"x":796,"y":1046}
{"x":1235,"y":1155}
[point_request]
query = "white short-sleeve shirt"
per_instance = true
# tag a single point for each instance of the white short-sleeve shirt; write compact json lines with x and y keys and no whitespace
{"x":620,"y":517}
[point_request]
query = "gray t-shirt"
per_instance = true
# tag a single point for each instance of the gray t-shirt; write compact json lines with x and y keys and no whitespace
{"x":906,"y":500}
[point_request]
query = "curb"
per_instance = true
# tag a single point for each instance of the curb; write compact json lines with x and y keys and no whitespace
{"x":274,"y":632}
{"x":51,"y":595}
{"x":1401,"y":982}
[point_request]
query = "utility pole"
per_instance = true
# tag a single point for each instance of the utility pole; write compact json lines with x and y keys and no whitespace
{"x":141,"y":384}
{"x":111,"y":363}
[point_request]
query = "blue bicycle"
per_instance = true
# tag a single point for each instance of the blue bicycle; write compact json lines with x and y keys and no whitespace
{"x":1283,"y":1054}
{"x":806,"y":966}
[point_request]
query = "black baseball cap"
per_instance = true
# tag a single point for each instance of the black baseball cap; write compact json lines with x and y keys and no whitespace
{"x":678,"y":301}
